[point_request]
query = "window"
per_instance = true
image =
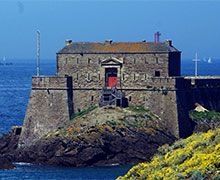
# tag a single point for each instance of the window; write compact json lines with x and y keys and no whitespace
{"x":89,"y":60}
{"x":99,"y":76}
{"x":157,"y":73}
{"x":123,"y":76}
{"x":77,"y":76}
{"x":145,"y":60}
{"x":77,"y":60}
{"x":134,"y":60}
{"x":145,"y":76}
{"x":134,"y":77}
{"x":157,"y":60}
{"x":88,"y":76}
{"x":129,"y":98}
{"x":92,"y":98}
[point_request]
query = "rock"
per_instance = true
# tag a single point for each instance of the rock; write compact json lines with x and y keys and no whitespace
{"x":6,"y":163}
{"x":108,"y":148}
{"x":200,"y":108}
{"x":9,"y":143}
{"x":112,"y":136}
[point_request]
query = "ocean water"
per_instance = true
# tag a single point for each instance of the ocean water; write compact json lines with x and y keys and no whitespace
{"x":15,"y":85}
{"x":27,"y":172}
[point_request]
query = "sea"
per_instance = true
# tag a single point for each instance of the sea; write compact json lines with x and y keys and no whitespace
{"x":15,"y":86}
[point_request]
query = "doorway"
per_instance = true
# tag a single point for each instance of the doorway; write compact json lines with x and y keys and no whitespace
{"x":111,"y":78}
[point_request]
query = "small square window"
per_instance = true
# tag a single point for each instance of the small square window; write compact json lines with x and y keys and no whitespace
{"x":134,"y":60}
{"x":89,"y":60}
{"x":157,"y":73}
{"x":145,"y":60}
{"x":88,"y":76}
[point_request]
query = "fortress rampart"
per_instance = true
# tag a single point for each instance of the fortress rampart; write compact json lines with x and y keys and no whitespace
{"x":147,"y":74}
{"x":50,"y":107}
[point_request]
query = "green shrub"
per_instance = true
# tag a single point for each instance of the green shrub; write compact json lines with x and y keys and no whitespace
{"x":111,"y":123}
{"x":196,"y":175}
{"x":138,"y":109}
{"x":83,"y":112}
{"x":207,"y":116}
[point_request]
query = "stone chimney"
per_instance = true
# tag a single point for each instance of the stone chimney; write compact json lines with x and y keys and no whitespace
{"x":109,"y":41}
{"x":169,"y":42}
{"x":68,"y":42}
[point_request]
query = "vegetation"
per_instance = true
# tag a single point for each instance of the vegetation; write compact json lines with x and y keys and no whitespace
{"x":209,"y":118}
{"x":206,"y":116}
{"x":84,"y":112}
{"x":142,"y":110}
{"x":138,"y":109}
{"x":197,"y":157}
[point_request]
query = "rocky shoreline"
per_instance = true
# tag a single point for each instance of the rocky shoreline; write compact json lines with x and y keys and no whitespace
{"x":6,"y":163}
{"x":102,"y":137}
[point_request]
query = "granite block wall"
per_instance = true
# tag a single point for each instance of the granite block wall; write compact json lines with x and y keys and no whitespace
{"x":50,"y":107}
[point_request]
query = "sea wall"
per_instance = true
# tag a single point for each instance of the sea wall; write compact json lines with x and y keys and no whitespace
{"x":50,"y":107}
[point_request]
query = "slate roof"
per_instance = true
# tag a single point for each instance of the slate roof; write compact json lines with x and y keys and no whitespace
{"x":116,"y":47}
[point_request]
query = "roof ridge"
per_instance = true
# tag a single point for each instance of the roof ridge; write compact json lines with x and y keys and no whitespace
{"x":117,"y":47}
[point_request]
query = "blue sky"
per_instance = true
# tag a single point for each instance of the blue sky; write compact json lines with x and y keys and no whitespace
{"x":192,"y":25}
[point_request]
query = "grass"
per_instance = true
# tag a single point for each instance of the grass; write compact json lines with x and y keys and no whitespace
{"x":207,"y":116}
{"x":197,"y":157}
{"x":83,"y":112}
{"x":138,"y":109}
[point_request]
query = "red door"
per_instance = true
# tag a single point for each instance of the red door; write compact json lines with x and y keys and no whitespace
{"x":112,"y":81}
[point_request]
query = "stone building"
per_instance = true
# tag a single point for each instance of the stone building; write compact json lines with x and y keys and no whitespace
{"x":129,"y":67}
{"x":119,"y":73}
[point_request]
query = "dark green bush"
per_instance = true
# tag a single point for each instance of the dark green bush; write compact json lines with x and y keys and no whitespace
{"x":207,"y":116}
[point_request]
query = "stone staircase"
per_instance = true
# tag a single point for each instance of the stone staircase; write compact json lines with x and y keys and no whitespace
{"x":111,"y":97}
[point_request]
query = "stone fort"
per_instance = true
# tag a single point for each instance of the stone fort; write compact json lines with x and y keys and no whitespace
{"x":121,"y":74}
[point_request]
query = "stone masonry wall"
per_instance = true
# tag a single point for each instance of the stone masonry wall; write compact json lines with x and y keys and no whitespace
{"x":50,"y":107}
{"x":87,"y":71}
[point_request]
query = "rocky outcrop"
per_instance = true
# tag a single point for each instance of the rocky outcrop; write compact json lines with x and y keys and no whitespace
{"x":95,"y":147}
{"x":6,"y":163}
{"x":8,"y":147}
{"x":9,"y":142}
{"x":101,"y":137}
